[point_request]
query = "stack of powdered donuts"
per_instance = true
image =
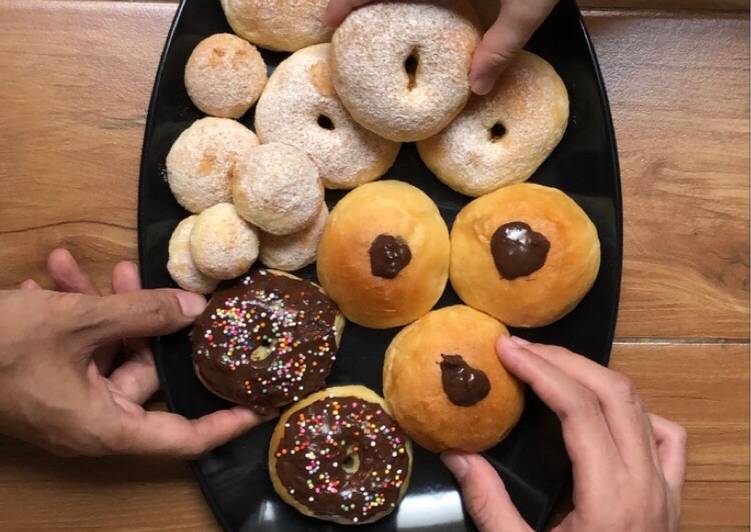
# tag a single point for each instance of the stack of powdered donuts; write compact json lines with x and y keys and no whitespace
{"x":333,"y":115}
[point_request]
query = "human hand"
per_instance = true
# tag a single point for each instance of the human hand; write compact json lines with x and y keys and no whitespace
{"x":516,"y":22}
{"x":628,"y":465}
{"x":56,"y":351}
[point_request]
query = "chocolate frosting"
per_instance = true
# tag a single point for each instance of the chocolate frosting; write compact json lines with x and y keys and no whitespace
{"x":463,"y":384}
{"x":342,"y":456}
{"x":388,"y":256}
{"x":266,"y":340}
{"x":517,"y":250}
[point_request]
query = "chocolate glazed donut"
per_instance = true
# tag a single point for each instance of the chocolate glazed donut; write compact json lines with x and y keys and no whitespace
{"x":266,"y":340}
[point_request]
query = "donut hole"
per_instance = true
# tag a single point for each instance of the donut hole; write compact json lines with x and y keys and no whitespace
{"x":352,"y":462}
{"x":410,"y":67}
{"x":497,"y":131}
{"x":264,"y":350}
{"x":325,"y":122}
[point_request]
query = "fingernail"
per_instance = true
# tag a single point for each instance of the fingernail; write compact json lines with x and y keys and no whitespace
{"x":481,"y":85}
{"x":457,"y":464}
{"x":191,"y":304}
{"x":520,"y":341}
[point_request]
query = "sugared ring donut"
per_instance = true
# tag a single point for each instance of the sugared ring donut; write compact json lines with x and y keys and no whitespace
{"x":181,"y":266}
{"x":300,"y":107}
{"x":339,"y":456}
{"x":502,"y":138}
{"x":202,"y":159}
{"x":225,"y":75}
{"x":266,"y":340}
{"x":401,"y":69}
{"x":293,"y":252}
{"x":278,"y":25}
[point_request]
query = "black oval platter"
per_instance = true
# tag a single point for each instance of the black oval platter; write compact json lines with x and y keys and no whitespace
{"x":532,"y":460}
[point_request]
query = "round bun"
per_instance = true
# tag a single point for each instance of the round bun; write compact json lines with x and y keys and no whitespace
{"x":526,"y":254}
{"x":295,"y":251}
{"x":300,"y":107}
{"x":445,"y":384}
{"x":284,"y":26}
{"x":223,"y":245}
{"x":339,"y":456}
{"x":225,"y":75}
{"x":502,"y":138}
{"x":384,"y":254}
{"x":266,"y":340}
{"x":402,"y":69}
{"x":277,"y":188}
{"x":180,"y":265}
{"x":202,"y":159}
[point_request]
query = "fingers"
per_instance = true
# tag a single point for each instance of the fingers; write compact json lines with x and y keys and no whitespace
{"x":671,"y":449}
{"x":29,"y":284}
{"x":484,"y":494}
{"x":68,"y":275}
{"x":136,"y":379}
{"x":587,"y":437}
{"x":337,"y":11}
{"x":125,"y":278}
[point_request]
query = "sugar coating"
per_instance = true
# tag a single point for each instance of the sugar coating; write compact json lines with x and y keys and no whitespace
{"x":369,"y":51}
{"x":277,"y":188}
{"x":299,"y":93}
{"x":202,"y":159}
{"x":225,"y":75}
{"x":223,"y":245}
{"x":293,"y":252}
{"x":181,"y":266}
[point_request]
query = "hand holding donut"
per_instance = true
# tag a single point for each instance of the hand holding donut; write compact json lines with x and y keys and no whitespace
{"x":620,"y":453}
{"x":516,"y":22}
{"x":58,"y":387}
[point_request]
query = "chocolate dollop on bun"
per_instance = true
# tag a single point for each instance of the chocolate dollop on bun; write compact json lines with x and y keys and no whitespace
{"x":383,"y":256}
{"x":266,"y":340}
{"x":525,"y":254}
{"x":445,"y":384}
{"x":338,"y":455}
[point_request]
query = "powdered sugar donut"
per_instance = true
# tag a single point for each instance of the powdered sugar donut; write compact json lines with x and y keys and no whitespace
{"x":401,"y":69}
{"x":202,"y":159}
{"x":300,"y":107}
{"x":293,"y":252}
{"x":502,"y":138}
{"x":181,"y":266}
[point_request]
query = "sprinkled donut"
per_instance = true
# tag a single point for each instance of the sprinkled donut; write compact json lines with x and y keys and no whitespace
{"x":266,"y":340}
{"x":401,"y":69}
{"x":502,"y":138}
{"x":300,"y":107}
{"x":339,"y":456}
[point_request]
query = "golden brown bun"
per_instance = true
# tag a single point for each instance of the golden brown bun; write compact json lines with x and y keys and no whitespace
{"x":414,"y":391}
{"x":547,"y":294}
{"x":338,"y":391}
{"x":344,"y":269}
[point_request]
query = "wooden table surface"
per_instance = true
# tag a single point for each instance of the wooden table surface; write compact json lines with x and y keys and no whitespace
{"x":75,"y":80}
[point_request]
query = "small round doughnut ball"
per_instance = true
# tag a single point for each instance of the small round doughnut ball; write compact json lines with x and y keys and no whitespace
{"x":283,"y":26}
{"x":300,"y":107}
{"x":202,"y":159}
{"x":277,"y":188}
{"x":223,"y":245}
{"x":402,"y":68}
{"x":384,"y":254}
{"x":502,"y":138}
{"x":293,"y":252}
{"x":225,"y":75}
{"x":181,"y":266}
{"x":526,"y":254}
{"x":357,"y":446}
{"x":445,"y":384}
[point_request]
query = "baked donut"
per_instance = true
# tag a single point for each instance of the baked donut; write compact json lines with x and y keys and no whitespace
{"x":266,"y":340}
{"x":502,"y":138}
{"x":300,"y":107}
{"x":293,"y":252}
{"x":181,"y":266}
{"x":284,"y":26}
{"x":384,"y":254}
{"x":338,"y":455}
{"x":445,"y":384}
{"x":277,"y":188}
{"x":202,"y":159}
{"x":402,"y":68}
{"x":222,"y":244}
{"x":225,"y":75}
{"x":526,"y":254}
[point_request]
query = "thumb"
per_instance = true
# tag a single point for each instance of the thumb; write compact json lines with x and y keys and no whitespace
{"x":484,"y":494}
{"x":142,"y":313}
